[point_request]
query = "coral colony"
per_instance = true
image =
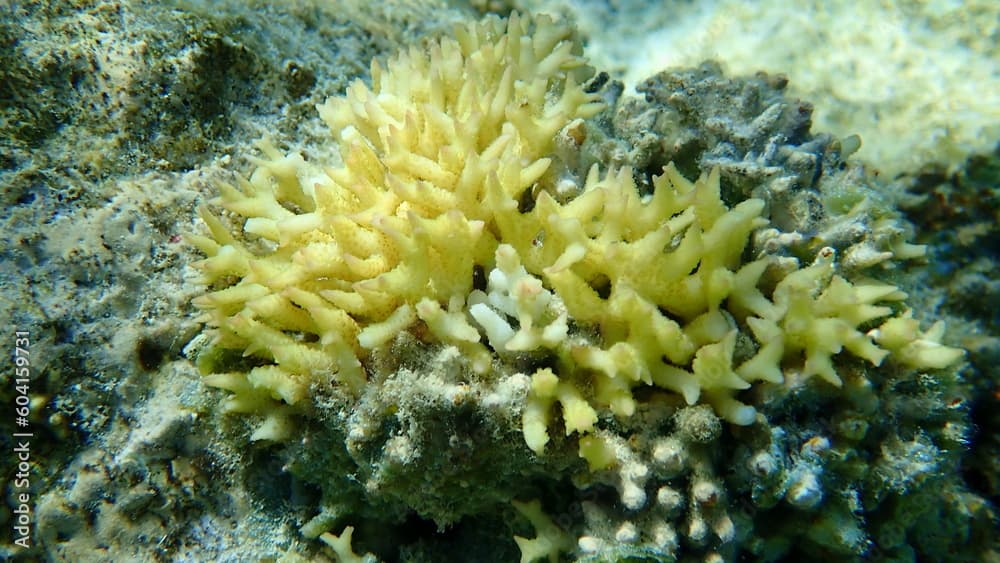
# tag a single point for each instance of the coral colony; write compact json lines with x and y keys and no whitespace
{"x":461,"y":311}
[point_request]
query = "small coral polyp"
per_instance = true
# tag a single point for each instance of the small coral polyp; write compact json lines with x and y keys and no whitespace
{"x":614,"y":288}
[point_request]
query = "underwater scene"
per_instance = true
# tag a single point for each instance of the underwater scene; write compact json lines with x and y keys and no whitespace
{"x":490,"y":281}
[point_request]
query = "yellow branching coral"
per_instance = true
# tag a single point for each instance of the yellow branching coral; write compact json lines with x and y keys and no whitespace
{"x":330,"y":266}
{"x":439,"y":154}
{"x":549,"y":542}
{"x":341,"y":546}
